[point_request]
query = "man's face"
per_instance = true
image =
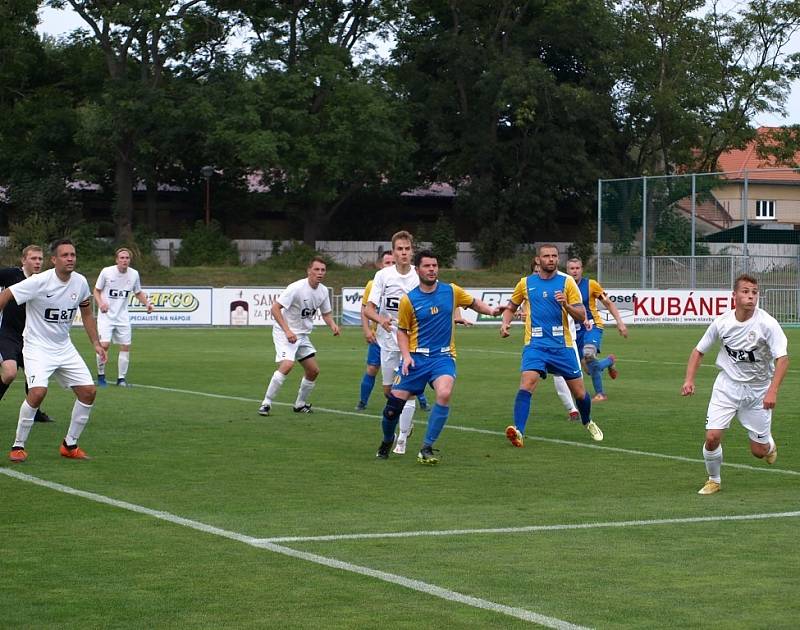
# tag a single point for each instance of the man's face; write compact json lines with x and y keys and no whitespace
{"x":428,"y":270}
{"x":575,"y":269}
{"x":123,"y":260}
{"x":548,"y":259}
{"x":387,"y":260}
{"x":402,"y":251}
{"x":32,"y":263}
{"x":316,"y":273}
{"x":746,"y":295}
{"x":64,"y":259}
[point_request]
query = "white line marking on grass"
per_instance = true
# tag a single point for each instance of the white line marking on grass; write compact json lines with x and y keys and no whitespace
{"x":535,"y":528}
{"x":416,"y":585}
{"x":612,"y":449}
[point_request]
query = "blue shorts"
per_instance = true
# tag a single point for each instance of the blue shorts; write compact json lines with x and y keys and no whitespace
{"x":559,"y":361}
{"x":593,"y":337}
{"x":374,"y":355}
{"x":425,"y":370}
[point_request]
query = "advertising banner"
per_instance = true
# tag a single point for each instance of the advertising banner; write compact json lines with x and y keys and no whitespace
{"x":173,"y":306}
{"x":667,"y":306}
{"x":248,"y":306}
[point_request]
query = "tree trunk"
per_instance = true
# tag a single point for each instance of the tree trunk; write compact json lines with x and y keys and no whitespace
{"x":151,"y":201}
{"x":315,"y":225}
{"x":123,"y":210}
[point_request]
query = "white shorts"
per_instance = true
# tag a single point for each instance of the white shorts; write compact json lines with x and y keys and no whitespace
{"x":745,"y":401}
{"x":390,"y":363}
{"x":110,"y":332}
{"x":285,"y":351}
{"x":66,"y":365}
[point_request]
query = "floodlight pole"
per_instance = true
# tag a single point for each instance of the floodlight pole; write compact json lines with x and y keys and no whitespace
{"x":207,"y":172}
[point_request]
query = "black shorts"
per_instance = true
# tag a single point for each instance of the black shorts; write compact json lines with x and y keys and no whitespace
{"x":11,"y":349}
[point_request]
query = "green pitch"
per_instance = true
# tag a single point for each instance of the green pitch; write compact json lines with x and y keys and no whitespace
{"x":197,"y":513}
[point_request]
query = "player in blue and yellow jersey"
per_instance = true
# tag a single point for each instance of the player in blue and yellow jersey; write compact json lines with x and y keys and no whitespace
{"x":553,"y":298}
{"x":426,"y":336}
{"x":590,"y":333}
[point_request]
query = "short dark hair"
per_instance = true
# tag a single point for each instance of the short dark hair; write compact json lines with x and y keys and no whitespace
{"x":318,"y":259}
{"x":384,"y":254}
{"x":745,"y":277}
{"x":424,"y":253}
{"x":58,"y":243}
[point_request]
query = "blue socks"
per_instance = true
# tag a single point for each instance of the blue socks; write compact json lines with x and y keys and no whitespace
{"x":584,"y":406}
{"x":422,"y":400}
{"x":522,"y":408}
{"x":596,"y":369}
{"x":436,"y":421}
{"x":367,"y":383}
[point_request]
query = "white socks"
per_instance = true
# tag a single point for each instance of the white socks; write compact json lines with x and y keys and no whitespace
{"x":562,"y":389}
{"x":713,"y":462}
{"x":122,"y":364}
{"x":24,"y":424}
{"x":407,"y":417}
{"x":80,"y":416}
{"x":274,"y":387}
{"x":302,"y":394}
{"x":101,"y":365}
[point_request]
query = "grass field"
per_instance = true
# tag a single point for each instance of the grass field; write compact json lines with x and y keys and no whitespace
{"x":197,"y":513}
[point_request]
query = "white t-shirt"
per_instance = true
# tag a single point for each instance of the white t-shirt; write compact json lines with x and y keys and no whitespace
{"x":116,"y":288}
{"x":51,"y":305}
{"x":300,"y":303}
{"x":387,"y":289}
{"x":748,"y":349}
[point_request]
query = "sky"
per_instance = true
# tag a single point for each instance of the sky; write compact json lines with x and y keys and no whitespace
{"x":60,"y":21}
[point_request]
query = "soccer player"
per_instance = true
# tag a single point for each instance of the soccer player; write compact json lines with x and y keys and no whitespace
{"x":426,"y":337}
{"x":294,"y":313}
{"x":389,"y":285}
{"x":753,"y":360}
{"x":12,"y":323}
{"x":111,"y":292}
{"x":52,"y":299}
{"x":553,"y":298}
{"x":590,"y":333}
{"x":374,"y":348}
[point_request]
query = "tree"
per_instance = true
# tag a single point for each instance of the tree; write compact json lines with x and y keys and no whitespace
{"x":339,"y":128}
{"x":142,"y":43}
{"x":512,"y":107}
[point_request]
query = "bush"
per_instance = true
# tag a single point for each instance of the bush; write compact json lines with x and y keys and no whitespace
{"x":673,"y":236}
{"x":206,"y":245}
{"x":443,"y":241}
{"x":495,"y":243}
{"x":35,"y":229}
{"x":295,"y":256}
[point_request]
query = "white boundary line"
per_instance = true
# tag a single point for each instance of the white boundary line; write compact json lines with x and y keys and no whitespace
{"x":392,"y":578}
{"x":611,"y":449}
{"x":535,"y":528}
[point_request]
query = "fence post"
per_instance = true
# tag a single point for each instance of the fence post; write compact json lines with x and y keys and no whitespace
{"x":693,"y":265}
{"x":599,"y":230}
{"x":644,"y":232}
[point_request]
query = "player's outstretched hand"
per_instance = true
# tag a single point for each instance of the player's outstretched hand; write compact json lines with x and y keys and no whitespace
{"x":687,"y":389}
{"x":504,"y":332}
{"x":406,"y":366}
{"x":335,"y":330}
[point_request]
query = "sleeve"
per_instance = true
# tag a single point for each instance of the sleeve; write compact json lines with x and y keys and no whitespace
{"x":7,"y":277}
{"x":707,"y":340}
{"x":571,"y":291}
{"x":101,"y":280}
{"x":365,"y":297}
{"x":137,"y":284}
{"x":520,"y":293}
{"x":595,"y":290}
{"x":28,"y":288}
{"x":405,"y":314}
{"x":778,"y":344}
{"x":285,"y":298}
{"x":86,"y":293}
{"x":376,"y":292}
{"x":325,"y":307}
{"x":463,"y":298}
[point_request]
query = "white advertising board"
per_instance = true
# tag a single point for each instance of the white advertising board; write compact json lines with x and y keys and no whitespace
{"x":248,"y":306}
{"x":173,"y":306}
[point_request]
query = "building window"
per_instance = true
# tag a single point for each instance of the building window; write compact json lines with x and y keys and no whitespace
{"x":765,"y":209}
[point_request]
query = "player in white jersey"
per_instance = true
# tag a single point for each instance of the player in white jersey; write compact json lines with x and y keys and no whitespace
{"x":111,"y":292}
{"x":389,"y":285}
{"x":52,"y":300}
{"x":294,"y":313}
{"x":753,"y":360}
